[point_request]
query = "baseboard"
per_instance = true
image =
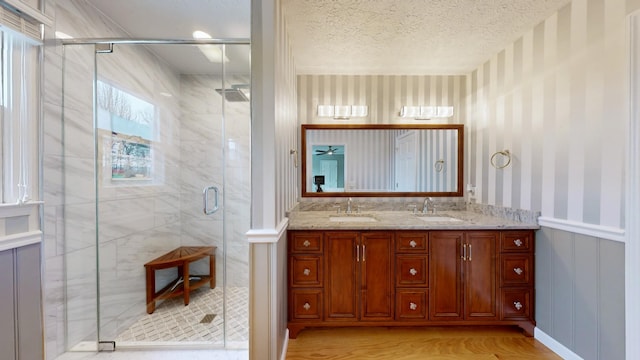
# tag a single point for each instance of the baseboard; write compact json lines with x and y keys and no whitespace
{"x":555,"y":346}
{"x":285,"y":346}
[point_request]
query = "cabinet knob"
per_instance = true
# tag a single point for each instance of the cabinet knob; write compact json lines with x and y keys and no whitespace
{"x":413,"y":243}
{"x":306,"y":243}
{"x":517,"y":305}
{"x":518,"y":242}
{"x":306,"y":272}
{"x":413,"y":271}
{"x":518,"y":271}
{"x":306,"y":306}
{"x":413,"y":306}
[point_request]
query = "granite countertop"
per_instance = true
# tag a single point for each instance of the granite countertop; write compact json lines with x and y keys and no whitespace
{"x":402,"y":220}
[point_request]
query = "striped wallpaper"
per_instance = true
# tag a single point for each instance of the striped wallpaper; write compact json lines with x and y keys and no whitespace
{"x":383,"y":94}
{"x":287,"y":181}
{"x":556,"y":98}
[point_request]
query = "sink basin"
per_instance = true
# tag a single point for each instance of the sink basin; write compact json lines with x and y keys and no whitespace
{"x":352,"y":218}
{"x":436,"y":218}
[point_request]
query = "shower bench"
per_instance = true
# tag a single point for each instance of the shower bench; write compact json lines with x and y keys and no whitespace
{"x":181,"y":258}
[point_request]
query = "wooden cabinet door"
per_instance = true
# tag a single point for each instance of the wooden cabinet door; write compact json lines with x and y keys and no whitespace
{"x":480,"y":289}
{"x":445,"y":275}
{"x":377,"y":282}
{"x":341,"y":275}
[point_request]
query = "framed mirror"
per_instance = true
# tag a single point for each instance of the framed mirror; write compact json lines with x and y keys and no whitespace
{"x":382,"y":160}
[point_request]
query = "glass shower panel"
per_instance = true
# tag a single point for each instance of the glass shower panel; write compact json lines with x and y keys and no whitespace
{"x":237,"y":194}
{"x":142,"y":142}
{"x":159,"y":144}
{"x":78,"y":221}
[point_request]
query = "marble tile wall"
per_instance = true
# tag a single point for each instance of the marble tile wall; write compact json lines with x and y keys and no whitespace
{"x":211,"y":159}
{"x":136,"y":223}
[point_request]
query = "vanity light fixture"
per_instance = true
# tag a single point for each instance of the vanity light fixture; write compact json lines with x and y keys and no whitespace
{"x":426,"y":112}
{"x":325,"y":111}
{"x":444,"y":111}
{"x":342,"y":112}
{"x":359,"y":110}
{"x":410,"y":111}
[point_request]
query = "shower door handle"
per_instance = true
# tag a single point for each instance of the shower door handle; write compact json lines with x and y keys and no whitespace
{"x":205,"y":196}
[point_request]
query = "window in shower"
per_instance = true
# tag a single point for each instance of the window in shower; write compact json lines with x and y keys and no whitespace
{"x":126,"y":124}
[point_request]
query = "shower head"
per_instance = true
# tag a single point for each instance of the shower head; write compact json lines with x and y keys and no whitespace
{"x":237,"y":93}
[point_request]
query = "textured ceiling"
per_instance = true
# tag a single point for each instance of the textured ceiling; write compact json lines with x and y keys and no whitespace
{"x":343,"y":36}
{"x":406,"y":36}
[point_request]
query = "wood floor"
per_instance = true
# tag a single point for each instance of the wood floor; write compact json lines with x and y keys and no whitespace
{"x":417,"y":343}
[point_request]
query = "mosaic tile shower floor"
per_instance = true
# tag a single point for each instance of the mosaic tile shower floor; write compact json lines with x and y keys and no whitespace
{"x":172,"y":321}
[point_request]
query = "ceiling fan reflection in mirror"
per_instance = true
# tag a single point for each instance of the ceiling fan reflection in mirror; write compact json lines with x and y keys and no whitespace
{"x":330,"y":151}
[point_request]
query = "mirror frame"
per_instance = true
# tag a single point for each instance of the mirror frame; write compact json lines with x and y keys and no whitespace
{"x":303,"y":155}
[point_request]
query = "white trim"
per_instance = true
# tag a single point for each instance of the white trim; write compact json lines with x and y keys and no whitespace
{"x":555,"y":346}
{"x":267,"y":236}
{"x":285,"y":346}
{"x":13,"y":210}
{"x":632,"y":196}
{"x":599,"y":231}
{"x":14,"y":241}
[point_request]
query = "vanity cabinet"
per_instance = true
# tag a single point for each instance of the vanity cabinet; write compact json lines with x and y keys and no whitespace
{"x":463,"y":275}
{"x":306,"y":275}
{"x":412,"y":275}
{"x":516,"y":261}
{"x":359,"y":272}
{"x":410,"y":278}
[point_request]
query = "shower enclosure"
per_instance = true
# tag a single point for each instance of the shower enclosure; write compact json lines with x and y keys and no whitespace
{"x":154,"y":158}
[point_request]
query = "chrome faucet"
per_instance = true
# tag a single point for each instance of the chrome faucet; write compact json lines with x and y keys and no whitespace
{"x":349,"y":200}
{"x":428,"y":203}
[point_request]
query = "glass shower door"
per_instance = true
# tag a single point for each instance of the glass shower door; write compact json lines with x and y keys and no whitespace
{"x":161,"y":141}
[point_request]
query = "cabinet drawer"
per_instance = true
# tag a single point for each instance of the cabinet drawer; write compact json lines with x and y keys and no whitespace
{"x":305,"y":242}
{"x":516,"y":304}
{"x":306,"y":304}
{"x":516,"y":241}
{"x":411,"y":242}
{"x":305,"y":271}
{"x":412,"y":270}
{"x":516,"y":270}
{"x":412,"y":304}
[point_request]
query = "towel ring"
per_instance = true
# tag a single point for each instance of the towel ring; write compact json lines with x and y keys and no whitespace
{"x":439,"y":165}
{"x":504,"y":153}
